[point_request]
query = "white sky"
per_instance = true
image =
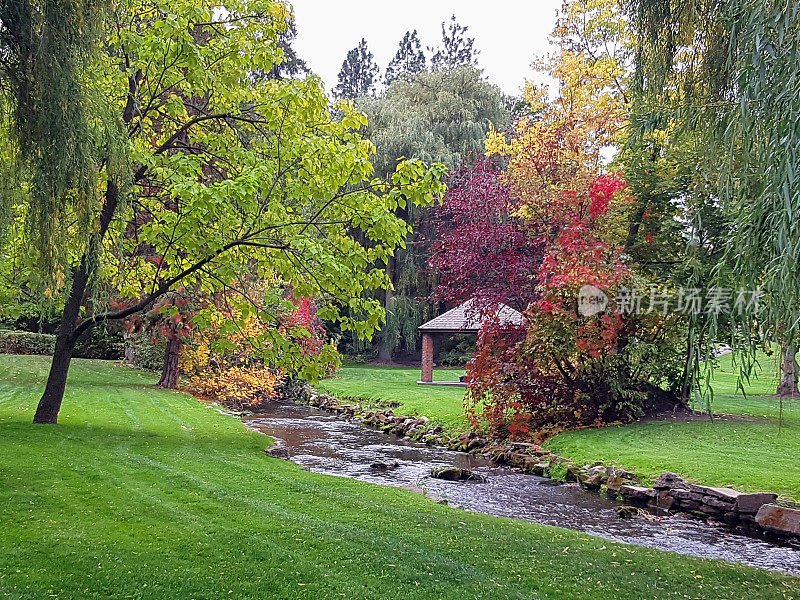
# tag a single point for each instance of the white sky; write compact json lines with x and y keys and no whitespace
{"x":508,"y":33}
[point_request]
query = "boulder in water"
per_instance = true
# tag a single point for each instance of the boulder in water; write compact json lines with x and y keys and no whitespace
{"x":456,"y":474}
{"x":380,"y":465}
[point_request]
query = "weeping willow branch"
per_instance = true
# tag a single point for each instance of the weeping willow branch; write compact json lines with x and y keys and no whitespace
{"x":45,"y":48}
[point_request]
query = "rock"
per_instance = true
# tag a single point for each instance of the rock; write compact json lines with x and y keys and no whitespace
{"x":750,"y":503}
{"x":524,"y":446}
{"x":664,"y":499}
{"x":724,"y":494}
{"x":591,"y":481}
{"x":635,"y":492}
{"x":779,"y":518}
{"x":749,"y":518}
{"x":670,"y":481}
{"x":530,"y":463}
{"x":379,"y":465}
{"x":627,"y":475}
{"x":597,"y":470}
{"x":475,"y":444}
{"x":680,"y":495}
{"x":573,"y":473}
{"x":456,"y":474}
{"x":626,"y":512}
{"x":278,"y":450}
{"x":517,"y":459}
{"x":614,"y":482}
{"x":717,"y":503}
{"x":730,"y":518}
{"x":540,"y":468}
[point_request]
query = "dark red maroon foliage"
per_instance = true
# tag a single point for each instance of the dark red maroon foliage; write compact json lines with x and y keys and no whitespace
{"x":479,"y":248}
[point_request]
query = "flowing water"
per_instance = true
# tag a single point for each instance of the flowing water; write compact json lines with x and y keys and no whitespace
{"x":326,"y":443}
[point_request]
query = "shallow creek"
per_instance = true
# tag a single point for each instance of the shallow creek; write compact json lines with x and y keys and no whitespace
{"x":326,"y":443}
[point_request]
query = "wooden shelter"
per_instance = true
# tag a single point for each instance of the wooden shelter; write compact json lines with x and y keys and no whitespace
{"x":465,"y":318}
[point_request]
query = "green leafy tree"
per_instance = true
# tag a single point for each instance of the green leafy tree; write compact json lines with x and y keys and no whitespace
{"x":457,"y":49}
{"x":358,"y":75}
{"x":408,"y":61}
{"x":205,"y":175}
{"x":45,"y":47}
{"x":443,"y":117}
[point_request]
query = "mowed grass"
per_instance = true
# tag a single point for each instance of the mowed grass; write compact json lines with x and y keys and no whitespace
{"x":399,"y":384}
{"x":148,"y":494}
{"x":762,"y":454}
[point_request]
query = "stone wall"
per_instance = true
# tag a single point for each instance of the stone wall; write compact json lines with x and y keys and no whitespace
{"x":757,"y":512}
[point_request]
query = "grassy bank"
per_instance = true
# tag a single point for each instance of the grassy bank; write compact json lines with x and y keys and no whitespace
{"x":759,"y":454}
{"x":399,"y":384}
{"x":147,"y":494}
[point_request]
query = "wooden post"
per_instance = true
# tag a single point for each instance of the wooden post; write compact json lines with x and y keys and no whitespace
{"x":427,"y":357}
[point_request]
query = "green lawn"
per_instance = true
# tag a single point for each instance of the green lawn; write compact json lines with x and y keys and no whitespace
{"x":147,"y":494}
{"x":762,"y":455}
{"x":397,"y":384}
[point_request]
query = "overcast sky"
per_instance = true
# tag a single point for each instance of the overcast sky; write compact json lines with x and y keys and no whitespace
{"x":508,"y":33}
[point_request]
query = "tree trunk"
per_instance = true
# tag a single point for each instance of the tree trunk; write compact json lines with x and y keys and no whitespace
{"x":387,"y":347}
{"x":169,"y":374}
{"x":50,"y":403}
{"x":130,"y":349}
{"x":788,"y":384}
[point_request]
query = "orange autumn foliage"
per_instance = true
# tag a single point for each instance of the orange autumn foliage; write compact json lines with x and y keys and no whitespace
{"x":233,"y":376}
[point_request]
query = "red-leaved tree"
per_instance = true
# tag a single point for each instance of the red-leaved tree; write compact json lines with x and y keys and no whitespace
{"x":481,"y":248}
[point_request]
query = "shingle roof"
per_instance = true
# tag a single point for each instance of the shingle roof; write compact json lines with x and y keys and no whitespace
{"x":466,"y":318}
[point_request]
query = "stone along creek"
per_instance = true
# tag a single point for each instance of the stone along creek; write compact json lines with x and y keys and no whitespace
{"x":326,"y":443}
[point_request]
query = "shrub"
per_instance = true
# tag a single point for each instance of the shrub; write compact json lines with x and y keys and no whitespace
{"x":100,"y":342}
{"x":237,"y":387}
{"x":26,"y":342}
{"x":236,"y":378}
{"x":458,"y":351}
{"x":147,"y":354}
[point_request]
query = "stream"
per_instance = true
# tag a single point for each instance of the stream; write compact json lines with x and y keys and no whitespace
{"x":326,"y":443}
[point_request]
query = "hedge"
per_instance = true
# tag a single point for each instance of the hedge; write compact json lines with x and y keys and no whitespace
{"x":100,"y":343}
{"x":26,"y":342}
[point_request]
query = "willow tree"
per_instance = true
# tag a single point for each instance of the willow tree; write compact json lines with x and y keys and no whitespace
{"x":45,"y":49}
{"x":728,"y":72}
{"x":443,"y":117}
{"x":201,"y":171}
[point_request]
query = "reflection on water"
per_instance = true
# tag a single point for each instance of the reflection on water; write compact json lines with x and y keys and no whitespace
{"x":328,"y":444}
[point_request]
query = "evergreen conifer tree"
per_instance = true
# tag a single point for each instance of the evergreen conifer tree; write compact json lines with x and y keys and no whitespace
{"x":409,"y":59}
{"x":358,"y":75}
{"x":456,"y":50}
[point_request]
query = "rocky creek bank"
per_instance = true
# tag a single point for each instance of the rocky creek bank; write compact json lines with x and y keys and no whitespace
{"x":759,"y":513}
